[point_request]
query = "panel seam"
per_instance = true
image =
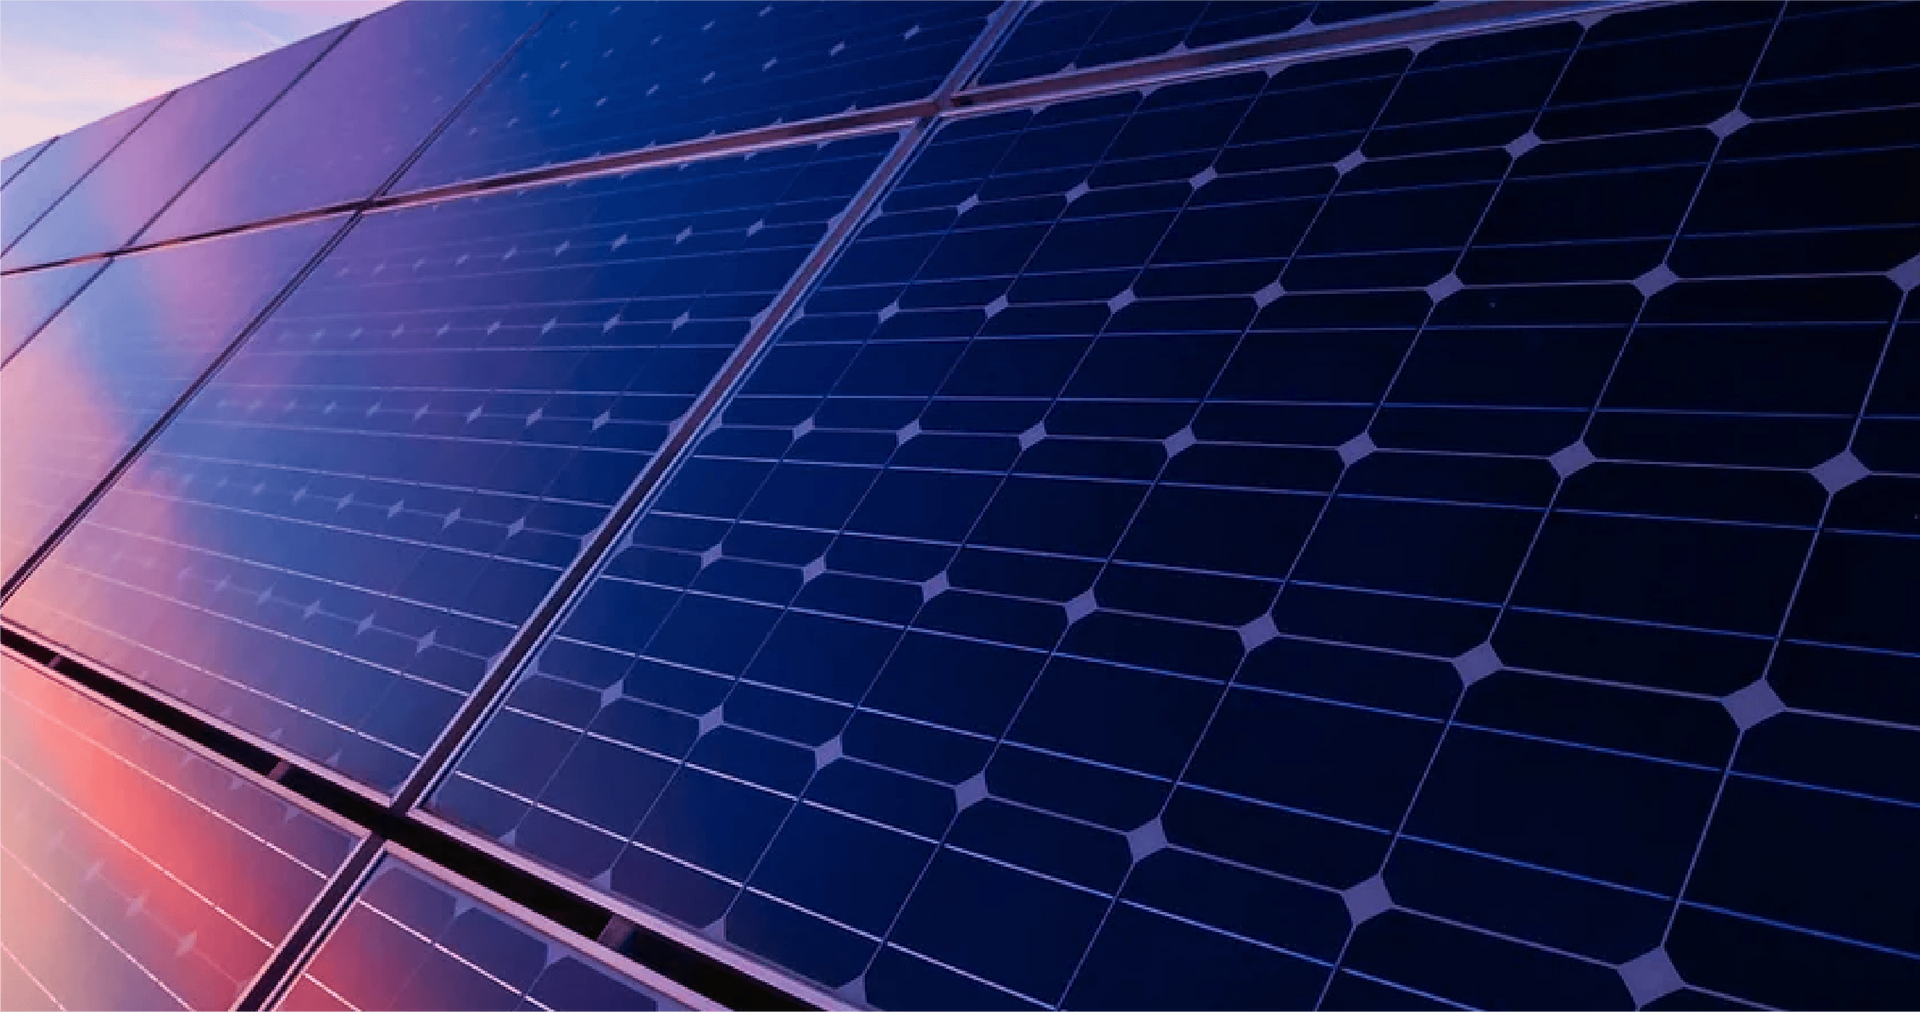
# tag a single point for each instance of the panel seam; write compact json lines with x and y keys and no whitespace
{"x":1418,"y":29}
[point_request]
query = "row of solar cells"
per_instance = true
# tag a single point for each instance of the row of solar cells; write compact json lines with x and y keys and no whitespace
{"x":1420,"y":527}
{"x":332,"y":119}
{"x":1432,"y":527}
{"x":142,"y":873}
{"x":311,"y":126}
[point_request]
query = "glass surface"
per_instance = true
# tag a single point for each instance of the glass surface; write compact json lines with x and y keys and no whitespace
{"x":78,"y":397}
{"x":597,"y":79}
{"x":28,"y":300}
{"x":28,"y":195}
{"x":335,"y":539}
{"x":20,"y":159}
{"x":117,"y":199}
{"x":1053,"y":38}
{"x":1315,"y":540}
{"x":412,"y":941}
{"x":352,"y":120}
{"x":137,"y":873}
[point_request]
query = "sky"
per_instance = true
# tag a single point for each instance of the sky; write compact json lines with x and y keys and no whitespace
{"x":64,"y":64}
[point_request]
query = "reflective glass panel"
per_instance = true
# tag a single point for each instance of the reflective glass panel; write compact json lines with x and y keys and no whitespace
{"x":1415,"y":528}
{"x":353,"y":119}
{"x":45,"y":179}
{"x":117,"y":199}
{"x":597,"y":79}
{"x":412,"y":940}
{"x":1058,"y":37}
{"x":29,"y":299}
{"x":89,"y":386}
{"x":136,"y":872}
{"x":335,"y":539}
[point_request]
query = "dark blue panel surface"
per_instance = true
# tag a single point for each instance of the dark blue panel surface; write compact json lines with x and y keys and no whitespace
{"x":94,"y":380}
{"x":28,"y":300}
{"x":46,"y":178}
{"x":336,"y":537}
{"x":1394,"y":532}
{"x":138,"y":873}
{"x":602,"y":78}
{"x":412,"y":941}
{"x":19,"y":160}
{"x":121,"y":195}
{"x":1075,"y":35}
{"x":355,"y":118}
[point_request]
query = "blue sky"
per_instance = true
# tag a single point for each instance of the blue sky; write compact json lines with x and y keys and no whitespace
{"x":64,"y":64}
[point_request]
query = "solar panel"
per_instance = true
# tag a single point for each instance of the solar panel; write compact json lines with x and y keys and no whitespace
{"x":41,"y":183}
{"x":603,"y":78}
{"x":139,"y":873}
{"x":12,"y":165}
{"x":104,"y":370}
{"x":415,"y":939}
{"x":335,"y":538}
{"x":355,"y":118}
{"x":1056,"y":37}
{"x":28,"y":300}
{"x":1388,"y":532}
{"x":124,"y":192}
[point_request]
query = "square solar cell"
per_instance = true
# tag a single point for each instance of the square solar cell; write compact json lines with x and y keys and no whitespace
{"x":355,"y":118}
{"x":67,"y":159}
{"x":126,"y":190}
{"x":414,"y":939}
{"x":598,"y":79}
{"x":333,"y":542}
{"x":1057,"y":37}
{"x":139,"y":873}
{"x":29,"y":299}
{"x":1395,"y":531}
{"x":103,"y":371}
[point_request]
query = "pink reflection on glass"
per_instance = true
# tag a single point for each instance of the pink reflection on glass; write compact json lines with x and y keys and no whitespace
{"x":30,"y":298}
{"x":109,"y":365}
{"x":157,"y":160}
{"x":352,"y":120}
{"x":136,"y":874}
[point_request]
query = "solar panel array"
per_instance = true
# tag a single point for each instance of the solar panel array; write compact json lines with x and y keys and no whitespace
{"x":1019,"y":515}
{"x":97,"y":376}
{"x":29,"y":300}
{"x":591,"y":81}
{"x":113,"y":203}
{"x":337,"y":536}
{"x":411,"y":940}
{"x":1080,"y":36}
{"x":138,"y":872}
{"x":356,"y":117}
{"x":12,"y":165}
{"x":37,"y":186}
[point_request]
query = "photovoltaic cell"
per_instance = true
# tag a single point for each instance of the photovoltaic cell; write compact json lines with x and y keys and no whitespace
{"x":28,"y":300}
{"x":104,"y":370}
{"x":350,"y":122}
{"x":40,"y":184}
{"x":603,"y":78}
{"x":124,"y":192}
{"x":333,"y":541}
{"x":1413,"y":529}
{"x":19,"y":160}
{"x":1056,"y":37}
{"x":138,"y":873}
{"x":412,"y":941}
